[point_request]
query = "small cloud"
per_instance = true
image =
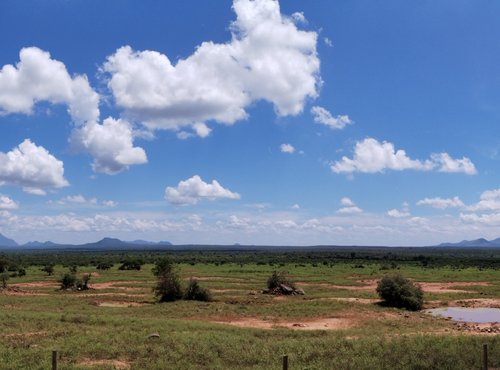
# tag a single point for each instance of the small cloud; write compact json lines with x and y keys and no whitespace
{"x":7,"y":203}
{"x":287,"y":148}
{"x":299,"y":17}
{"x":324,"y":117}
{"x":400,"y":213}
{"x":192,"y":190}
{"x":109,"y":203}
{"x":295,"y":206}
{"x":328,"y":42}
{"x":441,"y":203}
{"x":349,"y":207}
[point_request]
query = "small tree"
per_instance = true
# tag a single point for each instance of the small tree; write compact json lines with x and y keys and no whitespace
{"x":4,"y":277}
{"x":398,"y":291}
{"x":49,"y":269}
{"x":68,"y":280}
{"x":195,"y":292}
{"x":168,"y":286}
{"x":83,"y":283}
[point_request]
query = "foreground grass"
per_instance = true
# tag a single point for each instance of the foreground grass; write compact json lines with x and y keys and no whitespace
{"x":82,"y":331}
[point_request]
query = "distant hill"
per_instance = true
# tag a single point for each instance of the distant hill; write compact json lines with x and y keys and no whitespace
{"x":37,"y":244}
{"x":105,"y":243}
{"x":6,"y":242}
{"x":481,"y":242}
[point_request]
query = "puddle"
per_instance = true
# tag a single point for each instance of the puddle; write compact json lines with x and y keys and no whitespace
{"x":468,"y":314}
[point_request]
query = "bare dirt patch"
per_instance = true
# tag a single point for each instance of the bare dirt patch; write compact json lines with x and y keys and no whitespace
{"x":123,"y":285}
{"x":477,"y":303}
{"x":14,"y":290}
{"x":117,"y":304}
{"x":438,"y":287}
{"x":331,"y":323}
{"x":37,"y":284}
{"x":117,"y":364}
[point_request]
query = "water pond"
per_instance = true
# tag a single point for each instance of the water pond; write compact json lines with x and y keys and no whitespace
{"x":476,"y":315}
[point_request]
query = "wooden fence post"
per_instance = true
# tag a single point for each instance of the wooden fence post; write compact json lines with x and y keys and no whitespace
{"x":54,"y":360}
{"x":485,"y":356}
{"x":285,"y":362}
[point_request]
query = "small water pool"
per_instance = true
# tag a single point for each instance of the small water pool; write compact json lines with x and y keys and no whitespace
{"x":476,"y":315}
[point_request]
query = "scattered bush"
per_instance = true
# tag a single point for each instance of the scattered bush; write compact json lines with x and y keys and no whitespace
{"x":67,"y":280}
{"x":398,"y":291}
{"x":49,"y":269}
{"x":131,"y":265}
{"x":4,"y":277}
{"x":168,"y":287}
{"x":277,"y":279}
{"x":194,"y":292}
{"x":70,"y":281}
{"x":104,"y":265}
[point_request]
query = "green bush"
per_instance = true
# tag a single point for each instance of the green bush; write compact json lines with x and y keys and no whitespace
{"x":398,"y":291}
{"x":68,"y":280}
{"x":277,"y":279}
{"x":168,"y":287}
{"x":194,"y":292}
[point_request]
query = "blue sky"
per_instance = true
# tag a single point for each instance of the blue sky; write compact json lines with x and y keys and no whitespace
{"x":255,"y":122}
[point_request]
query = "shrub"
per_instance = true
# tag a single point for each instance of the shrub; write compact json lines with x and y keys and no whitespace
{"x":195,"y":292}
{"x":131,"y":265}
{"x":68,"y":280}
{"x":83,"y":283}
{"x":4,"y":277}
{"x":168,"y":287}
{"x":398,"y":291}
{"x":277,"y":279}
{"x":104,"y":265}
{"x":49,"y":269}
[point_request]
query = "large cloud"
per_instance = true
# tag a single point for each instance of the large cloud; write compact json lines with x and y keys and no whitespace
{"x":31,"y":167}
{"x":111,"y":145}
{"x":371,"y":156}
{"x":268,"y":58}
{"x":38,"y":77}
{"x":190,"y":191}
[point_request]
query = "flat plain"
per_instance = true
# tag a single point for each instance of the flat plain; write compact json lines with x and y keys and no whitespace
{"x":339,"y":323}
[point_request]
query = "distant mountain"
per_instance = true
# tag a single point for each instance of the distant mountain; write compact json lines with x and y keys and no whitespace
{"x":6,"y":242}
{"x":37,"y":244}
{"x":481,"y":242}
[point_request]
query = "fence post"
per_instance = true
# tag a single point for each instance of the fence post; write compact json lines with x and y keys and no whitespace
{"x":485,"y":356}
{"x":54,"y":360}
{"x":285,"y":362}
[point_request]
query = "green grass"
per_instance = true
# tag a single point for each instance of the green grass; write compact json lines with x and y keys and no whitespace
{"x":381,"y":338}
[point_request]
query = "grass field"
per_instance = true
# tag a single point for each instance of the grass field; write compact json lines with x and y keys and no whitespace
{"x":337,"y":324}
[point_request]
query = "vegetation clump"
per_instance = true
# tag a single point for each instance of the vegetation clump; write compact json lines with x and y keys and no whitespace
{"x":194,"y":292}
{"x":279,"y":283}
{"x":398,"y":291}
{"x":131,"y":265}
{"x":168,"y":287}
{"x":70,"y":281}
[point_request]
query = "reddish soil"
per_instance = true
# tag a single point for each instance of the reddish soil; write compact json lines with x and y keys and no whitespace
{"x":117,"y":364}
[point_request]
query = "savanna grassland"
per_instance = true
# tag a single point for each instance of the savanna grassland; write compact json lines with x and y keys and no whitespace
{"x":338,"y":324}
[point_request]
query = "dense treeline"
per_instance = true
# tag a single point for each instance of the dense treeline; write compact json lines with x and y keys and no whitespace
{"x":359,"y":256}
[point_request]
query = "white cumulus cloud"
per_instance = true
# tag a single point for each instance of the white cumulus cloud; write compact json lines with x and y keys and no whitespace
{"x":7,"y":203}
{"x":287,"y":148}
{"x":348,"y":206}
{"x":371,"y":156}
{"x":38,"y":77}
{"x":111,"y":145}
{"x":441,"y":203}
{"x":32,"y":167}
{"x":324,"y":117}
{"x":268,"y":58}
{"x":190,"y":191}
